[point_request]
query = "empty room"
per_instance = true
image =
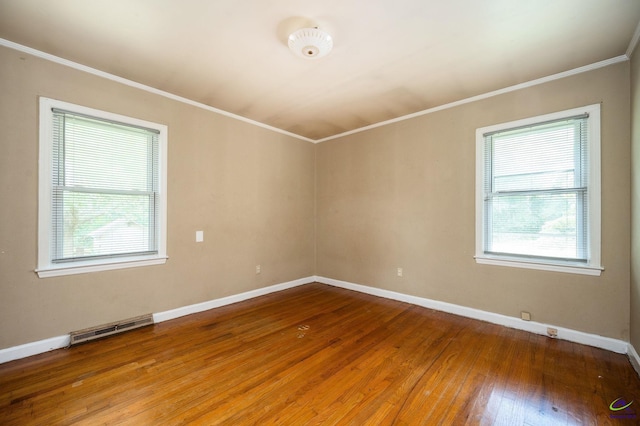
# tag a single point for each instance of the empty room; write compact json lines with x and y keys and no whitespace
{"x":302,"y":213}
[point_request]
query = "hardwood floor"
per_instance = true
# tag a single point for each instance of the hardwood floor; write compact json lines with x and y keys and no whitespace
{"x":321,"y":355}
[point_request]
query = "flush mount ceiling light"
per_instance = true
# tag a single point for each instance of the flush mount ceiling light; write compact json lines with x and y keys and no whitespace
{"x":310,"y":43}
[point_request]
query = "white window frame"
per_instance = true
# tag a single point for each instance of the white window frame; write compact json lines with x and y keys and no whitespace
{"x":46,"y":268}
{"x":592,"y":266}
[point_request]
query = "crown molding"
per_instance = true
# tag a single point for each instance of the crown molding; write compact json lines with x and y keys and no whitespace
{"x":634,"y":42}
{"x":135,"y":84}
{"x":536,"y":82}
{"x":108,"y":76}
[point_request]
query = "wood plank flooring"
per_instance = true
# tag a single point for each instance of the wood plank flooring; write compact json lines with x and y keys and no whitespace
{"x":315,"y":355}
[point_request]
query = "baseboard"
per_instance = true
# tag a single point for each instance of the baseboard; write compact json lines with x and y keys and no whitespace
{"x":46,"y":345}
{"x":634,"y":358}
{"x":216,"y":303}
{"x":619,"y":346}
{"x":34,"y":348}
{"x":607,"y":343}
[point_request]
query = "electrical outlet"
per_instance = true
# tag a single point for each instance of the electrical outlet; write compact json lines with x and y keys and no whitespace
{"x":258,"y":269}
{"x":199,"y":236}
{"x":525,"y":316}
{"x":400,"y":272}
{"x":552,"y":332}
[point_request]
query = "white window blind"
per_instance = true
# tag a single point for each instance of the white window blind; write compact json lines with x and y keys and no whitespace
{"x":105,"y":188}
{"x":536,"y":190}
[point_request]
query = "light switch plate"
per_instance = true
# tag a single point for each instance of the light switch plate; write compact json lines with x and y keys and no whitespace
{"x":199,"y":236}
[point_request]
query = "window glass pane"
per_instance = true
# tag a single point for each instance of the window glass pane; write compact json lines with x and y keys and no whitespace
{"x":102,"y":224}
{"x":543,"y":225}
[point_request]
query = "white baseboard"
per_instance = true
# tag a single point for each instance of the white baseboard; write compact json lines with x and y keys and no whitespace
{"x":607,"y":343}
{"x":619,"y":346}
{"x":46,"y":345}
{"x":634,"y":358}
{"x":34,"y":348}
{"x":216,"y":303}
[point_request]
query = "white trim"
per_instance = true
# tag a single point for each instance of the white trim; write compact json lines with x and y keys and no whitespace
{"x":634,"y":358}
{"x":216,"y":303}
{"x":553,"y":77}
{"x":618,"y":346}
{"x":106,"y":75}
{"x":571,"y":269}
{"x":34,"y":348}
{"x":593,"y":267}
{"x":634,"y":42}
{"x":46,"y":345}
{"x":607,"y":343}
{"x":536,"y":82}
{"x":57,"y":271}
{"x":45,"y":267}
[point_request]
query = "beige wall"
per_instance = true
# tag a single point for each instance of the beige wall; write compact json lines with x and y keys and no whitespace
{"x":635,"y":200}
{"x":250,"y":189}
{"x":403,"y":196}
{"x":397,"y":196}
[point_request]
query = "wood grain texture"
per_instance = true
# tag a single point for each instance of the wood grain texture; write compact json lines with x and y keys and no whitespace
{"x":316,"y":354}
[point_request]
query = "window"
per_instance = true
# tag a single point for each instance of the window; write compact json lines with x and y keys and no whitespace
{"x":102,"y":202}
{"x":538,"y":192}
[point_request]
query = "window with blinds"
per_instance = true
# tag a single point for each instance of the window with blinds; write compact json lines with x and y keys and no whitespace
{"x":105,"y":199}
{"x":105,"y":188}
{"x":537,"y":197}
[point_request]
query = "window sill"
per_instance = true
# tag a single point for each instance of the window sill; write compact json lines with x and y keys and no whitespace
{"x":519,"y":263}
{"x":96,"y":266}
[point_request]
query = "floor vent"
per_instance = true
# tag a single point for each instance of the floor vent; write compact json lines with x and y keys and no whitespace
{"x":104,"y":330}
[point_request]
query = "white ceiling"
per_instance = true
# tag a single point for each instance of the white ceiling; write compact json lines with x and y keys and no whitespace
{"x":390,"y":58}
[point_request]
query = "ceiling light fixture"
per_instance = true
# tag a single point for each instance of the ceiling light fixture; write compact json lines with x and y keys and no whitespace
{"x":310,"y":42}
